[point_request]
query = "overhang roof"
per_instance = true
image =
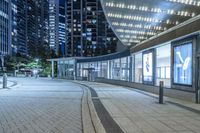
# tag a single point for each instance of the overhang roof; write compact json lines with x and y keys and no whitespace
{"x":134,"y":21}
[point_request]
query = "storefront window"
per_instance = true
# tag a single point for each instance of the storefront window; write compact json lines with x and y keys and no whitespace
{"x":92,"y":71}
{"x":138,"y":68}
{"x":128,"y":68}
{"x":98,"y":69}
{"x":183,"y":64}
{"x":111,"y":69}
{"x":105,"y":69}
{"x":125,"y":69}
{"x":163,"y":65}
{"x":116,"y":69}
{"x":84,"y":69}
{"x":133,"y":68}
{"x":78,"y":69}
{"x":66,"y":69}
{"x":148,"y":67}
{"x":69,"y":69}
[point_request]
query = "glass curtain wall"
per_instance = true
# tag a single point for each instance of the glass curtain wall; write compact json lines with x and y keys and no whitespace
{"x":84,"y":71}
{"x":182,"y":73}
{"x":78,"y":70}
{"x":163,"y":65}
{"x":133,"y":68}
{"x":98,"y":69}
{"x":66,"y":69}
{"x":61,"y":69}
{"x":116,"y":69}
{"x":138,"y":68}
{"x":125,"y":68}
{"x":104,"y":69}
{"x":111,"y":69}
{"x":69,"y":69}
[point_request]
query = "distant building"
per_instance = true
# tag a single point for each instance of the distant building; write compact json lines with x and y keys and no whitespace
{"x":29,"y":26}
{"x":37,"y":26}
{"x":57,"y":26}
{"x":5,"y":27}
{"x":14,"y":26}
{"x":61,"y":31}
{"x":87,"y":31}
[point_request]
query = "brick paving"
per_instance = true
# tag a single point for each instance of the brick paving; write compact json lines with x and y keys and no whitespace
{"x":54,"y":106}
{"x":138,"y":113}
{"x":41,"y":106}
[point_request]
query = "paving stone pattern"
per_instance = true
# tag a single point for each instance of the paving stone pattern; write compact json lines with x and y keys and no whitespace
{"x":138,"y":113}
{"x":41,"y":106}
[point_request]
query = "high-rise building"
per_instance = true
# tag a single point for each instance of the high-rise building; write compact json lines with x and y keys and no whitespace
{"x":57,"y":26}
{"x":19,"y":26}
{"x":29,"y":27}
{"x":14,"y":26}
{"x":53,"y":24}
{"x":87,"y":31}
{"x":37,"y":26}
{"x":5,"y":27}
{"x":61,"y":30}
{"x":23,"y":27}
{"x":43,"y":27}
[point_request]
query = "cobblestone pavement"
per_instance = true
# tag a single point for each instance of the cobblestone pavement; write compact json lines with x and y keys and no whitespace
{"x":41,"y":106}
{"x":138,"y":113}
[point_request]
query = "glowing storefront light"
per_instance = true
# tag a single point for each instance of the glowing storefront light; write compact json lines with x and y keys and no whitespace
{"x":148,"y":67}
{"x":183,"y":64}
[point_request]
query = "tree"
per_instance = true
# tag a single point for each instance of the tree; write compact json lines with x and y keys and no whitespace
{"x":15,"y":62}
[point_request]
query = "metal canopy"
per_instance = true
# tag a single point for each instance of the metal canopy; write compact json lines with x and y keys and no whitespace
{"x":134,"y":21}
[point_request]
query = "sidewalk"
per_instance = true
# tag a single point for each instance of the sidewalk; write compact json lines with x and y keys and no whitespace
{"x":137,"y":112}
{"x":41,"y":106}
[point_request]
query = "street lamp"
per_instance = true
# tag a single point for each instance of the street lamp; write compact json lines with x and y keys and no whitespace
{"x":37,"y":60}
{"x":36,"y":72}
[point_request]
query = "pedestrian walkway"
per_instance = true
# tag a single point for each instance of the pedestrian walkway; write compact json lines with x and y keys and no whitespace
{"x":60,"y":106}
{"x":41,"y":106}
{"x":136,"y":112}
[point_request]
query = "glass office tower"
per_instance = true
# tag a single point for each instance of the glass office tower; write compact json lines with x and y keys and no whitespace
{"x":5,"y":27}
{"x":57,"y":26}
{"x":61,"y":30}
{"x":88,"y":33}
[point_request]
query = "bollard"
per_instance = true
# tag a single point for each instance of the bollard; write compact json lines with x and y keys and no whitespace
{"x":161,"y":92}
{"x":5,"y":80}
{"x":198,"y":96}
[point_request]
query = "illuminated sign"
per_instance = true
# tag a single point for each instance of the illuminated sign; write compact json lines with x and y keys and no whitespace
{"x":148,"y":67}
{"x":183,"y":64}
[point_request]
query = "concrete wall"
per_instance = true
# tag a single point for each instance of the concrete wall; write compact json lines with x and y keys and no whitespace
{"x":183,"y":95}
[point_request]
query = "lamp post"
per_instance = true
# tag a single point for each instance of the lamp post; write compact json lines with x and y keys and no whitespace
{"x":37,"y":60}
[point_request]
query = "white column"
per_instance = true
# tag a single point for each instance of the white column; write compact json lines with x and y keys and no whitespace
{"x":108,"y":69}
{"x":52,"y":69}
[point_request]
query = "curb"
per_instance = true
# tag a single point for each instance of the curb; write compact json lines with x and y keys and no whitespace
{"x":13,"y":84}
{"x":91,"y":121}
{"x":87,"y":124}
{"x":95,"y":119}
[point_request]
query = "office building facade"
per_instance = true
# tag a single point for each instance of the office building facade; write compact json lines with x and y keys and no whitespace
{"x":5,"y":27}
{"x":37,"y":27}
{"x":88,"y":33}
{"x":29,"y":27}
{"x":54,"y":25}
{"x":61,"y":29}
